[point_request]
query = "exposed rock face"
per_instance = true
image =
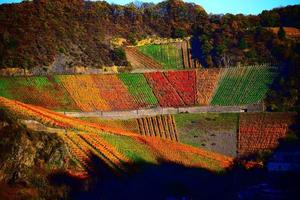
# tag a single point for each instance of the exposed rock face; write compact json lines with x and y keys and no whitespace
{"x":24,"y":152}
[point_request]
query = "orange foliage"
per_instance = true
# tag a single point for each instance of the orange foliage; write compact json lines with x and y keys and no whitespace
{"x":262,"y":131}
{"x":289,"y":31}
{"x":84,"y":92}
{"x":207,"y":80}
{"x":164,"y":149}
{"x":114,"y":92}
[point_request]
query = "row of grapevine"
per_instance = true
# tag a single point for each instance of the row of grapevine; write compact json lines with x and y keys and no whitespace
{"x":114,"y":92}
{"x":107,"y":152}
{"x":207,"y":80}
{"x":243,"y":85}
{"x":187,"y":59}
{"x":85,"y":146}
{"x":163,"y":90}
{"x":129,"y":91}
{"x":167,"y":150}
{"x":184,"y":82}
{"x":82,"y":158}
{"x":121,"y":124}
{"x":84,"y":92}
{"x":262,"y":131}
{"x":169,"y":55}
{"x":159,"y":126}
{"x":139,"y":89}
{"x":43,"y":91}
{"x":139,"y":60}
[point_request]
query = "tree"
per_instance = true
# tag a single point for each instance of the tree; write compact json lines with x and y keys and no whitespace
{"x":179,"y":33}
{"x":243,"y":44}
{"x":281,"y":33}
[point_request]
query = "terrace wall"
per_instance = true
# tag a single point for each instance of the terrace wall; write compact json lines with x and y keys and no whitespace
{"x":162,"y":111}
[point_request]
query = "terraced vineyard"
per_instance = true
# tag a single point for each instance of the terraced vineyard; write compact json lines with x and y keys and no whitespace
{"x":130,"y":125}
{"x":184,"y":82}
{"x":163,"y":90}
{"x":43,"y":91}
{"x":168,"y":55}
{"x":188,"y":61}
{"x":84,"y":92}
{"x":114,"y":92}
{"x":262,"y":131}
{"x":86,"y":138}
{"x":139,"y":60}
{"x":163,"y":126}
{"x":132,"y":91}
{"x":243,"y":85}
{"x":140,"y":90}
{"x":207,"y":81}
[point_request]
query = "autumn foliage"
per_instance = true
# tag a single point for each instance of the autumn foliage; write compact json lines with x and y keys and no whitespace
{"x":163,"y":90}
{"x":73,"y":129}
{"x":262,"y":131}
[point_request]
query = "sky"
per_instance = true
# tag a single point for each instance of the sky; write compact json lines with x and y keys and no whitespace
{"x":220,"y":6}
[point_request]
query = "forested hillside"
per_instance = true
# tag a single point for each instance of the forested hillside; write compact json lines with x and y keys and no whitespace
{"x":42,"y":33}
{"x":77,"y":32}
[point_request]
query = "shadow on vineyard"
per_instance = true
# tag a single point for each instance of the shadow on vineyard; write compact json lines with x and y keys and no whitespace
{"x":195,"y":46}
{"x":174,"y":181}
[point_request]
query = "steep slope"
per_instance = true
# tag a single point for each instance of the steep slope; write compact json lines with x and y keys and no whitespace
{"x":162,"y":150}
{"x":66,"y":33}
{"x":28,"y":158}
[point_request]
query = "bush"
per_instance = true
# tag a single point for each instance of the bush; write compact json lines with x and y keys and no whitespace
{"x":119,"y":57}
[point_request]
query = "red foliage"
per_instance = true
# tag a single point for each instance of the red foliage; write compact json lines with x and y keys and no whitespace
{"x":163,"y":90}
{"x":184,"y":83}
{"x":262,"y":131}
{"x":114,"y":92}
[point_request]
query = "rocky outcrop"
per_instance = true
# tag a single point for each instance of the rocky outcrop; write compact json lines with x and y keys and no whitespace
{"x":24,"y":152}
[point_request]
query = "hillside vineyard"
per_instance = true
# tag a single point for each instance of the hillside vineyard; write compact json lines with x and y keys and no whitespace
{"x":130,"y":91}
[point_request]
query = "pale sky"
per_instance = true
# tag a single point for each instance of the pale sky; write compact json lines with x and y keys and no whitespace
{"x":220,"y":6}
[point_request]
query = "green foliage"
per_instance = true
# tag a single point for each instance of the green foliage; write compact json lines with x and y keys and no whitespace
{"x":138,"y":87}
{"x":119,"y":57}
{"x":243,"y":44}
{"x":243,"y":85}
{"x":132,"y":39}
{"x":179,"y":33}
{"x":270,"y":19}
{"x":132,"y":149}
{"x":61,"y":50}
{"x":39,"y":90}
{"x":167,"y":54}
{"x":292,"y":137}
{"x":281,"y":33}
{"x":5,"y":84}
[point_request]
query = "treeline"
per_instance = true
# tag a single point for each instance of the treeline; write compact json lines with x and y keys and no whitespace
{"x":230,"y":40}
{"x":37,"y":33}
